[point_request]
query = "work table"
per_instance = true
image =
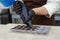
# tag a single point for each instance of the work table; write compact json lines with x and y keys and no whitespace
{"x":6,"y":34}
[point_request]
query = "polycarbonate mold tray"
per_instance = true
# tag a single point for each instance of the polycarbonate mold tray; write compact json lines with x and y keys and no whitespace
{"x":33,"y":30}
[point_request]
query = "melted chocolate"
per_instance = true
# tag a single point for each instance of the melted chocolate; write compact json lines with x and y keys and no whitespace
{"x":24,"y":27}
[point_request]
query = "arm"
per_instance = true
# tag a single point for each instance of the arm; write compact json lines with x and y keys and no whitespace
{"x":47,"y":9}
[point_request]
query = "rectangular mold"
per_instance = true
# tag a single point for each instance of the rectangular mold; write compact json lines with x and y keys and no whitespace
{"x":33,"y":30}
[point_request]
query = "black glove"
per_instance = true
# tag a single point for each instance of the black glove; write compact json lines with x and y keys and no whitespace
{"x":26,"y":16}
{"x":31,"y":15}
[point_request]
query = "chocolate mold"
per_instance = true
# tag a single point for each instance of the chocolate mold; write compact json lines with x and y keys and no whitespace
{"x":33,"y":29}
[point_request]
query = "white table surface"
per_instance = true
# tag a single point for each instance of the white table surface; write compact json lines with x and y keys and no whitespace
{"x":6,"y":34}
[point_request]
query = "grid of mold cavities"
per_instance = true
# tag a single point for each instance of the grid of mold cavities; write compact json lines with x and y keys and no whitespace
{"x":23,"y":27}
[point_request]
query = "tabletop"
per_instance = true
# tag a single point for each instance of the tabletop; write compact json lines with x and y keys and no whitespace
{"x":6,"y":34}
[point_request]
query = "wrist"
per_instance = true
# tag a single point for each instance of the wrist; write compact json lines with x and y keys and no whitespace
{"x":40,"y":11}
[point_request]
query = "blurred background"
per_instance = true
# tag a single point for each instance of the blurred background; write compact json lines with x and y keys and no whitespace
{"x":9,"y":16}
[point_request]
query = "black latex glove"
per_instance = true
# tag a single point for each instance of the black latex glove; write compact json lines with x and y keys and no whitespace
{"x":26,"y":16}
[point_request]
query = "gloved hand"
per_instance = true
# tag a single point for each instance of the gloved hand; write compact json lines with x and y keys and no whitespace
{"x":25,"y":15}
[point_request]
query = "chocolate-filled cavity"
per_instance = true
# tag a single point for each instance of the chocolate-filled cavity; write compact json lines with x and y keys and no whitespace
{"x":34,"y":29}
{"x":23,"y":27}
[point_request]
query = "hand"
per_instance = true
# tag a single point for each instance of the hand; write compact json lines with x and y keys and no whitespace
{"x":25,"y":15}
